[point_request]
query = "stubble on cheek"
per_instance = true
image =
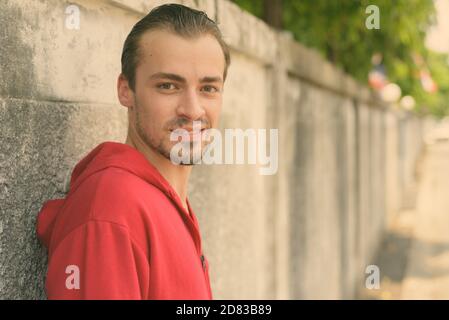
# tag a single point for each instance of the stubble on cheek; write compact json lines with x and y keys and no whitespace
{"x":153,"y":142}
{"x":159,"y":139}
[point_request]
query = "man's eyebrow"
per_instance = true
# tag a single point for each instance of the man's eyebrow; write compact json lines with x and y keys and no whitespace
{"x":178,"y":78}
{"x":210,"y":79}
{"x":171,"y":76}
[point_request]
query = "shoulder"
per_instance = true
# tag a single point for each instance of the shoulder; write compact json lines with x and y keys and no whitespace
{"x":111,"y":199}
{"x":113,"y":195}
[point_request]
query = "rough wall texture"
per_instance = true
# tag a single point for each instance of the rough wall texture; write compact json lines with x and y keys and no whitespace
{"x":307,"y":232}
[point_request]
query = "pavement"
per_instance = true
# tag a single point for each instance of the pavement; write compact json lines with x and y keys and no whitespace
{"x":427,"y":274}
{"x":414,"y":256}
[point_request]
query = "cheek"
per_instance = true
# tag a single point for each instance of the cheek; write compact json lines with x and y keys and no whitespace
{"x":154,"y":111}
{"x":154,"y":125}
{"x":213,"y":112}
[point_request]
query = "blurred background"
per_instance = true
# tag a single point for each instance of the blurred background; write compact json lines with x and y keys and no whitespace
{"x":409,"y":49}
{"x":404,"y":58}
{"x":357,"y":89}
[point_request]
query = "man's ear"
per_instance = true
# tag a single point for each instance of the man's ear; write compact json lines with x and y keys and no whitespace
{"x":124,"y":92}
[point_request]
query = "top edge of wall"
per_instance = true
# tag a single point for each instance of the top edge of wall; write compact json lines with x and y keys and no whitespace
{"x":251,"y":36}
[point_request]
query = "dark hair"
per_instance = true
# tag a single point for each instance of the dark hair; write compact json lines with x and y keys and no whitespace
{"x":176,"y":18}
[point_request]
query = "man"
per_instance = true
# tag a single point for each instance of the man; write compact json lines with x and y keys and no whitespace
{"x":126,"y":229}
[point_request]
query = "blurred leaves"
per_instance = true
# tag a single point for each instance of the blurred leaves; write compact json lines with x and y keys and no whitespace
{"x":337,"y":29}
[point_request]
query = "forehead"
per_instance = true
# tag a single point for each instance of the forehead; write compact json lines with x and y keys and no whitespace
{"x":164,"y":51}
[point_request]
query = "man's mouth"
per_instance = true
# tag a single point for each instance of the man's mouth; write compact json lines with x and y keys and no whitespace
{"x":188,"y":134}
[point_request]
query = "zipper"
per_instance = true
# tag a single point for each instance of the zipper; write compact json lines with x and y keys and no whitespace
{"x":203,"y":262}
{"x":205,"y":265}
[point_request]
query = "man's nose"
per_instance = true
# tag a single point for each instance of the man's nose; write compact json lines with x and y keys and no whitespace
{"x":190,"y":106}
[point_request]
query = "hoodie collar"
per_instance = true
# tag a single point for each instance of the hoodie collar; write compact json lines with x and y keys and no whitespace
{"x":119,"y":155}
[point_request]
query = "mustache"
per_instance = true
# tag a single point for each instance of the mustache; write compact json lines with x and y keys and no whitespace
{"x":179,"y":123}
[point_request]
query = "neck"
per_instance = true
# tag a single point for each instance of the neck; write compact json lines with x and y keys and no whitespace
{"x":176,"y":175}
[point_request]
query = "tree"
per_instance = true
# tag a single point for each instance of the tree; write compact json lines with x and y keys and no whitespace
{"x":272,"y":13}
{"x":337,"y":29}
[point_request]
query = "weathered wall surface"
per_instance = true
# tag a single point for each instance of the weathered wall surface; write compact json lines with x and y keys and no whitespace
{"x":307,"y":232}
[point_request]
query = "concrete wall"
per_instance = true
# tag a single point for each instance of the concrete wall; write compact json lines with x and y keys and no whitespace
{"x":309,"y":231}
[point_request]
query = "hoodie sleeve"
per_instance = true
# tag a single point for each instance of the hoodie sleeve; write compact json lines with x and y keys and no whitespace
{"x":98,"y":260}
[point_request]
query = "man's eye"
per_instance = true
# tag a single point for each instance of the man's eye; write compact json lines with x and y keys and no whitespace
{"x":210,"y":89}
{"x":166,"y":86}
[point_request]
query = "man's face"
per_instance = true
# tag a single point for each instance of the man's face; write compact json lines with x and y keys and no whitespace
{"x":178,"y":81}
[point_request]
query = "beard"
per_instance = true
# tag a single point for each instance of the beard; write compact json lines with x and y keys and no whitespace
{"x":163,"y":145}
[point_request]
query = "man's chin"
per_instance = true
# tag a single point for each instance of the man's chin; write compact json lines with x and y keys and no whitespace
{"x":193,"y":160}
{"x":195,"y":154}
{"x":187,"y":164}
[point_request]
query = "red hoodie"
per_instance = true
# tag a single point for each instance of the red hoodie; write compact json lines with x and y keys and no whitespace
{"x":121,"y":233}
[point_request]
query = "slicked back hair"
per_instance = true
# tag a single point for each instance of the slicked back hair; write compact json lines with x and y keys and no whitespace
{"x":181,"y":20}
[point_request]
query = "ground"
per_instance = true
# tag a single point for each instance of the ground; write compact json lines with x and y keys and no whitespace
{"x":414,"y":256}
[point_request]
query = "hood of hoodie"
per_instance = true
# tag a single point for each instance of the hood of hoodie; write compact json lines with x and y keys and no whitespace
{"x":105,"y":155}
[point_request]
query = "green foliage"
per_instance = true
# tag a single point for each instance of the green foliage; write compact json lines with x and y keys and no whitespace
{"x":337,"y":30}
